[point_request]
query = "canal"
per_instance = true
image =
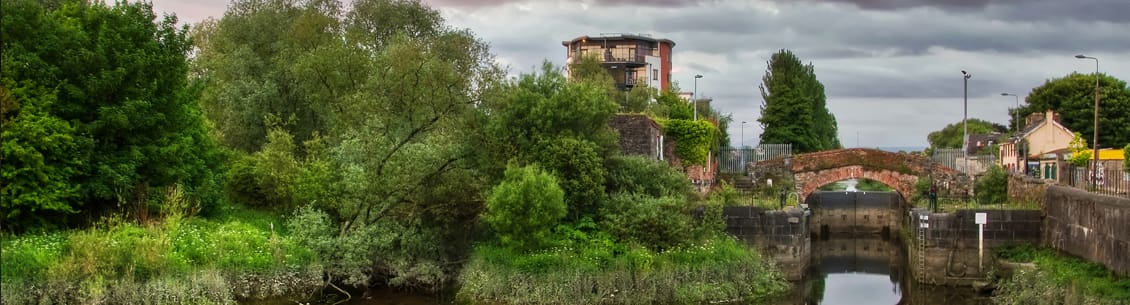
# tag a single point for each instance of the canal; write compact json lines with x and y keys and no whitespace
{"x":853,"y":255}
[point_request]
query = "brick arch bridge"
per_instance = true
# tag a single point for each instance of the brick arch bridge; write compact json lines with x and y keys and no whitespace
{"x":900,"y":171}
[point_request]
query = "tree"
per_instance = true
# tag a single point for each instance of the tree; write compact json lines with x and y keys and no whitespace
{"x":120,"y":80}
{"x":1080,"y":154}
{"x":951,"y":135}
{"x":366,"y":116}
{"x":1073,"y":97}
{"x":794,"y":108}
{"x":524,"y":206}
{"x":1126,"y":158}
{"x":39,"y":152}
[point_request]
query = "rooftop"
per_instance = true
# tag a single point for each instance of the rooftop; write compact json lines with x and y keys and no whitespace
{"x":618,"y":36}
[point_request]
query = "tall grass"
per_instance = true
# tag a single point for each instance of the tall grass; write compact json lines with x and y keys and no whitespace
{"x":719,"y":269}
{"x":178,"y":261}
{"x":1060,"y":279}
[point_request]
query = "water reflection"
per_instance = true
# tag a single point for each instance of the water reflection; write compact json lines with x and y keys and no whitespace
{"x":868,"y":270}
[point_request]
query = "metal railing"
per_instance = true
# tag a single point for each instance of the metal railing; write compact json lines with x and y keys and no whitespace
{"x":736,"y":160}
{"x":1109,"y":181}
{"x":952,"y":158}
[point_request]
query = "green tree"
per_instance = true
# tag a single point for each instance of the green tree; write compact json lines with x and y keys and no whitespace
{"x":1126,"y":158}
{"x":1073,"y":97}
{"x":39,"y":152}
{"x":524,"y":206}
{"x":951,"y":135}
{"x":1080,"y":153}
{"x":121,"y":81}
{"x":794,"y":109}
{"x":992,"y":187}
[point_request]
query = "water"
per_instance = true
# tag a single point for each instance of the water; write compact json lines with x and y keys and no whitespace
{"x":868,"y":270}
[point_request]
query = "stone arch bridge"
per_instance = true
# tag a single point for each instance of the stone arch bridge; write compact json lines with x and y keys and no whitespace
{"x":900,"y":171}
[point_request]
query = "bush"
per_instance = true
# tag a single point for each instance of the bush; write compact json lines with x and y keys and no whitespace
{"x":642,"y":175}
{"x":525,"y":206}
{"x":992,"y":188}
{"x":657,"y":223}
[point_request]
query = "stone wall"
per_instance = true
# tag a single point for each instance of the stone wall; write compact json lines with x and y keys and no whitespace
{"x":951,"y":255}
{"x":1026,"y":189}
{"x":638,"y":134}
{"x":1092,"y":226}
{"x":854,"y":213}
{"x":780,"y":235}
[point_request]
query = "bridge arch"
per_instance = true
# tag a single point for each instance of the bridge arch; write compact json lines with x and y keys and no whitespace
{"x":900,"y":171}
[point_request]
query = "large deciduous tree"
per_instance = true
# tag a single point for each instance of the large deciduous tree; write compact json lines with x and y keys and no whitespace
{"x":117,"y":98}
{"x":365,"y":117}
{"x":1073,"y":97}
{"x":794,"y":108}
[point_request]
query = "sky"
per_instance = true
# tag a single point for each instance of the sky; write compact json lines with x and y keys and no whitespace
{"x":891,"y":69}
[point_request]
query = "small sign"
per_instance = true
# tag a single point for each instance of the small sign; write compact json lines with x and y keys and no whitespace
{"x":924,"y":217}
{"x":925,"y":225}
{"x":982,"y":218}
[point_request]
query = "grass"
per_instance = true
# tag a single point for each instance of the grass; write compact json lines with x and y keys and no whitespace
{"x":947,"y":205}
{"x":718,"y":269}
{"x":1060,"y":279}
{"x":180,"y":256}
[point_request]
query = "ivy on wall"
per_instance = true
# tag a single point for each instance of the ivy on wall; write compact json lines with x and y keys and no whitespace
{"x":692,"y":139}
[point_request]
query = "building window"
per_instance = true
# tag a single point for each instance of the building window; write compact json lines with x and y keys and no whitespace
{"x":654,"y":74}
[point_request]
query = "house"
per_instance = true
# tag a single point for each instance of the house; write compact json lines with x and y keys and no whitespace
{"x":630,"y":59}
{"x":1039,"y":148}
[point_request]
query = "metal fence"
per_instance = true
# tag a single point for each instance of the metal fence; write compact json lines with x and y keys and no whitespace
{"x":952,"y":158}
{"x":1109,"y":181}
{"x":735,"y":160}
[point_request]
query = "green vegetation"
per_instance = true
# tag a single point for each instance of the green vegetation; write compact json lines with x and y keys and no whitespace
{"x":794,"y":109}
{"x":99,"y":115}
{"x":992,"y":186}
{"x":1080,"y":153}
{"x":597,"y":270}
{"x":1059,"y":279}
{"x":1126,"y":158}
{"x":311,"y":146}
{"x":190,"y":260}
{"x":951,"y":135}
{"x":1073,"y":98}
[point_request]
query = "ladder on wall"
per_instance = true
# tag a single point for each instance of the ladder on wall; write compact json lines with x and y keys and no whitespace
{"x":923,"y":226}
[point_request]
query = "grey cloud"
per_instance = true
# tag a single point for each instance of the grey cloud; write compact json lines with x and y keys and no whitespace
{"x":610,"y":3}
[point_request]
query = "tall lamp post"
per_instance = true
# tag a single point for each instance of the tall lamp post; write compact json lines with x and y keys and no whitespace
{"x":1095,"y":164}
{"x":743,"y":136}
{"x":694,"y":96}
{"x":1016,"y":118}
{"x":965,"y":125}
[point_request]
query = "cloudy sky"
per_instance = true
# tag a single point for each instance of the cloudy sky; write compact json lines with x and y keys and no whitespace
{"x":891,"y":68}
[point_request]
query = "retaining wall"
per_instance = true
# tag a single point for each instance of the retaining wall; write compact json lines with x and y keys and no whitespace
{"x":1092,"y":226}
{"x":951,"y":255}
{"x":780,"y":235}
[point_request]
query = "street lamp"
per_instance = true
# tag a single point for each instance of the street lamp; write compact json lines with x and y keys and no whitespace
{"x":743,"y":136}
{"x":1016,"y":117}
{"x":1095,"y":164}
{"x":694,"y":96}
{"x":965,"y":125}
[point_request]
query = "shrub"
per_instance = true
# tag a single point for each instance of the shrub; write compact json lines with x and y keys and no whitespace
{"x":524,"y":206}
{"x":642,"y":175}
{"x":993,"y":186}
{"x":657,"y":223}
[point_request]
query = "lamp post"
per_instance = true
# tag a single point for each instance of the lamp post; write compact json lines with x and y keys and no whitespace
{"x":1016,"y":117}
{"x":1095,"y":164}
{"x":965,"y":125}
{"x":743,"y":136}
{"x":694,"y":96}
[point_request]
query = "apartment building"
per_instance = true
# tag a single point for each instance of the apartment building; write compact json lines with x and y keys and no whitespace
{"x":631,"y":59}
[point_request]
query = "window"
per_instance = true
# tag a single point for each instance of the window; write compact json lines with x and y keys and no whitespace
{"x":654,"y":74}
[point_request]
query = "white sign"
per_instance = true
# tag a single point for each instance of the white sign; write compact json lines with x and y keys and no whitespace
{"x":982,"y":218}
